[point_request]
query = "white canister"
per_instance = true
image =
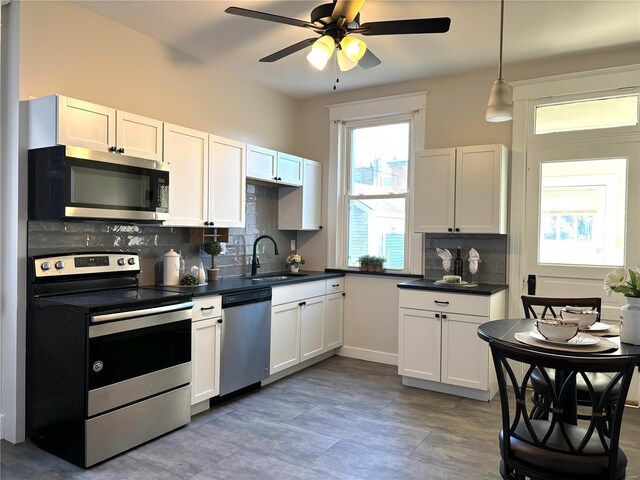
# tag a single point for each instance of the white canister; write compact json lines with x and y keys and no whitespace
{"x":630,"y":321}
{"x":171,"y":268}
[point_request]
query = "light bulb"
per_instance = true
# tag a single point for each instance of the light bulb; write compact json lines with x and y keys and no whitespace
{"x":344,"y":62}
{"x":353,"y":48}
{"x":321,"y":52}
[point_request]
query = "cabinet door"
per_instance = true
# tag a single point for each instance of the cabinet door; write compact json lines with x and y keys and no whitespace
{"x":226,"y":192}
{"x":187,"y":152}
{"x":285,"y":336}
{"x":205,"y":360}
{"x":139,"y":136}
{"x":289,"y":169}
{"x":419,"y":344}
{"x":481,"y":184}
{"x":311,"y":328}
{"x":84,"y":124}
{"x":465,"y":357}
{"x":261,"y":163}
{"x":334,"y":321}
{"x":434,"y":191}
{"x":312,"y":195}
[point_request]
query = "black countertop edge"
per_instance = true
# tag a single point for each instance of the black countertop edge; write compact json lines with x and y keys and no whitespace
{"x":377,"y":274}
{"x":238,"y":284}
{"x":480,"y":289}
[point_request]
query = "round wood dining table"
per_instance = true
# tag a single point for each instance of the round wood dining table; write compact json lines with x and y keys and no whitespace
{"x":505,"y":331}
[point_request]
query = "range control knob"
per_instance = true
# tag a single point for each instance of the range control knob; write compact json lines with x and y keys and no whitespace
{"x":59,"y":265}
{"x":45,"y":266}
{"x":132,"y":261}
{"x":121,"y":261}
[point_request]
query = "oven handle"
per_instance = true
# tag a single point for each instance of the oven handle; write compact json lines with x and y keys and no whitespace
{"x":141,"y":313}
{"x":149,"y":320}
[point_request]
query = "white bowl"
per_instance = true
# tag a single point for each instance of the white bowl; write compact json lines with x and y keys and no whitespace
{"x":584,"y":319}
{"x":557,"y":331}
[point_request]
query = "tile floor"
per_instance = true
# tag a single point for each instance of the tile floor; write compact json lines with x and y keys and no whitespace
{"x":342,"y":418}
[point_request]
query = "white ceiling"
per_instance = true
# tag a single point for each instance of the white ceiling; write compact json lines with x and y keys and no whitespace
{"x":533,"y":30}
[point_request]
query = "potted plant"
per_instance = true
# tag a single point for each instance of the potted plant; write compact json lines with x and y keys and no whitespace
{"x":627,"y":282}
{"x":378,"y":263}
{"x":214,"y":249}
{"x":364,"y":261}
{"x":294,"y":261}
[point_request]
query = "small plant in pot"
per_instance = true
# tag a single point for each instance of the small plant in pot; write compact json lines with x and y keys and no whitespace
{"x":364,"y":262}
{"x":378,"y":264}
{"x":214,"y":249}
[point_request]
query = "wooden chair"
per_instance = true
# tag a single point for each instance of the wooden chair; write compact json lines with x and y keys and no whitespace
{"x":541,"y":394}
{"x":554,"y":449}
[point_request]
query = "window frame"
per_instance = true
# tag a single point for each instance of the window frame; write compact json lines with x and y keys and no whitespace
{"x":413,"y":105}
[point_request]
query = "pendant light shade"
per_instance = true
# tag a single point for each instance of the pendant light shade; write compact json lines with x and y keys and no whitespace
{"x":344,"y":62}
{"x":500,"y":107}
{"x":353,"y":48}
{"x":321,"y":51}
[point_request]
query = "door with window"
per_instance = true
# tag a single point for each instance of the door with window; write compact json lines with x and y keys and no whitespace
{"x":582,"y":207}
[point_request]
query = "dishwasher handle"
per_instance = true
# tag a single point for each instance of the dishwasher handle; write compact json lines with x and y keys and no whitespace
{"x":246,"y":297}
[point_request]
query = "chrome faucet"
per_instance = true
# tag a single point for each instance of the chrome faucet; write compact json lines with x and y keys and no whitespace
{"x":255,"y":262}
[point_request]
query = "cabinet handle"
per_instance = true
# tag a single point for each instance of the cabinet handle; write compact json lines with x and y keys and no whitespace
{"x":219,"y":320}
{"x":206,"y":223}
{"x":279,"y":179}
{"x":440,"y":302}
{"x":275,"y":178}
{"x":335,"y":285}
{"x":457,"y":229}
{"x":344,"y":294}
{"x":207,"y":308}
{"x":320,"y":227}
{"x":302,"y":304}
{"x":444,"y":317}
{"x":449,"y":229}
{"x":437,"y":315}
{"x":121,"y":150}
{"x":112,"y":149}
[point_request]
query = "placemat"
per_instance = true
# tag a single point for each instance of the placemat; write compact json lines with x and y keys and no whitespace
{"x":603,"y":345}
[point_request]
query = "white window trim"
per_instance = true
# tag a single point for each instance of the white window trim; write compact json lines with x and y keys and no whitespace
{"x":410,"y":104}
{"x":526,"y":93}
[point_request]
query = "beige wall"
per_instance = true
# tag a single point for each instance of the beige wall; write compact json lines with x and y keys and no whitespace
{"x":69,"y":50}
{"x":455,"y":113}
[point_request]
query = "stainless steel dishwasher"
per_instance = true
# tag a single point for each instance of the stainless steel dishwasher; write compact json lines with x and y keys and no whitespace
{"x":246,"y":339}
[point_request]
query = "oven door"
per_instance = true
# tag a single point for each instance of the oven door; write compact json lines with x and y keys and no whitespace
{"x":137,"y":354}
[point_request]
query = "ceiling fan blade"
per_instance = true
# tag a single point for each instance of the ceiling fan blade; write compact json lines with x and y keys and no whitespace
{"x":243,"y":12}
{"x":369,"y":60}
{"x":404,"y":27}
{"x":347,"y":9}
{"x":289,"y":50}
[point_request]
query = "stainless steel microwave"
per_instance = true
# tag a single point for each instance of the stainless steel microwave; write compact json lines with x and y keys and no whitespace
{"x":71,"y":182}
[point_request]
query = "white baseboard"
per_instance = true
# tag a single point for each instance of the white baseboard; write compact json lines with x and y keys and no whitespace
{"x":370,"y":355}
{"x":1,"y":426}
{"x":199,"y":407}
{"x":298,"y":367}
{"x":450,"y":389}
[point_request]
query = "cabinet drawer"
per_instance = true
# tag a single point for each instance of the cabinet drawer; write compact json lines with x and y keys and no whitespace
{"x":445,"y":302}
{"x":300,"y":291}
{"x":207,"y":307}
{"x":334,"y":285}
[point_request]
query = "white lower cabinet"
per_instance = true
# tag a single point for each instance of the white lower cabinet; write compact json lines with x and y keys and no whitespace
{"x":439,"y":344}
{"x":305,"y":322}
{"x":205,"y":349}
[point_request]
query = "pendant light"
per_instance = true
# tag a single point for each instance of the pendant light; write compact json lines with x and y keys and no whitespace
{"x":500,"y":107}
{"x":321,"y":51}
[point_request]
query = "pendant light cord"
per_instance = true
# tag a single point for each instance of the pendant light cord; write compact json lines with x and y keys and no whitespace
{"x":501,"y":34}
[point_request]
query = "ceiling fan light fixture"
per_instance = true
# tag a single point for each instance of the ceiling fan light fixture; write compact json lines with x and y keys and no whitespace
{"x":321,"y":51}
{"x":344,"y":62}
{"x":500,"y":106}
{"x":353,"y":48}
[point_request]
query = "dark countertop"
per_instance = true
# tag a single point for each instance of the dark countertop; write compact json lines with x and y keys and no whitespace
{"x":480,"y":289}
{"x":235,"y":284}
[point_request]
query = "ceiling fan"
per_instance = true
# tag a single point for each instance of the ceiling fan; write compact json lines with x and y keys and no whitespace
{"x":335,"y":23}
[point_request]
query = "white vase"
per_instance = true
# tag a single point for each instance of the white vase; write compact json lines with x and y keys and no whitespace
{"x":630,"y":321}
{"x":295,"y":268}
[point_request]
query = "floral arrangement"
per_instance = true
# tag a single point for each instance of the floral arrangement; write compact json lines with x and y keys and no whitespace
{"x":295,"y":260}
{"x":620,"y":282}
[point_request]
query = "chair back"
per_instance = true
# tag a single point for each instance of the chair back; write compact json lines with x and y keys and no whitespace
{"x":555,"y":435}
{"x":547,"y":304}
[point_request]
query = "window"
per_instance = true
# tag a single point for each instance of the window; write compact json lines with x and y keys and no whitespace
{"x":590,"y":114}
{"x":377,"y":195}
{"x":582,"y":212}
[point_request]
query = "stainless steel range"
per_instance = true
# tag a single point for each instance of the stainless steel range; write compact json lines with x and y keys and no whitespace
{"x":108,"y":363}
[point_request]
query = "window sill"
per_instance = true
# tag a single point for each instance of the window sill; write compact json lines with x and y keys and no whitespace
{"x":377,"y":274}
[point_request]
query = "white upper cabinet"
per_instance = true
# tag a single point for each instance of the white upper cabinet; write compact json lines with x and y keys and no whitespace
{"x":187,"y":152}
{"x":289,"y":170}
{"x":227,"y":185}
{"x":60,"y":120}
{"x":275,"y":167}
{"x":301,"y":208}
{"x":461,"y":190}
